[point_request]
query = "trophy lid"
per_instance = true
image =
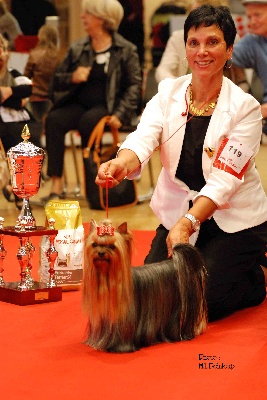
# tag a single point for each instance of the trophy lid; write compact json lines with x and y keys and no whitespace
{"x":25,"y":148}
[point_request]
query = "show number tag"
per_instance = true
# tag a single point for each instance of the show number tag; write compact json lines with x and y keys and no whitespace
{"x":233,"y":157}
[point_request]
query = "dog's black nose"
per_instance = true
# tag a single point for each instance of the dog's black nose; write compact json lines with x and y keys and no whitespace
{"x":101,"y":253}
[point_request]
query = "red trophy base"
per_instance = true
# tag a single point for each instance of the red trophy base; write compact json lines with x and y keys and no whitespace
{"x":39,"y":292}
{"x":37,"y":295}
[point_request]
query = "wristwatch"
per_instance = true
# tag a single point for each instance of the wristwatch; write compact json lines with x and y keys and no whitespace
{"x":195,"y":222}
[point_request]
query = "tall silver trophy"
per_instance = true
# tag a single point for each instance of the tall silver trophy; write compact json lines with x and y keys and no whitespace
{"x":25,"y":164}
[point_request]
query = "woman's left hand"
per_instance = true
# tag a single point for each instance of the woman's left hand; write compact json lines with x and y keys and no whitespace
{"x":114,"y":122}
{"x":179,"y":233}
{"x":24,"y":102}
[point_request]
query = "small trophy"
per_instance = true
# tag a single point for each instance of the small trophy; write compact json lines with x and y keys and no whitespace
{"x":25,"y":164}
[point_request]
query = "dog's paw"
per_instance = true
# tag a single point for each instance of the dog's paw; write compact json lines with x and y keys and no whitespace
{"x":122,"y":348}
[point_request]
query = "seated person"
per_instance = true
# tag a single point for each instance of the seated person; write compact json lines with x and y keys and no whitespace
{"x":15,"y":90}
{"x":40,"y":67}
{"x":9,"y":26}
{"x":99,"y":76}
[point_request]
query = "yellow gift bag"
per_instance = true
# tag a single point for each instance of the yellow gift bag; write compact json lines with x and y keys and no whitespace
{"x":69,"y":243}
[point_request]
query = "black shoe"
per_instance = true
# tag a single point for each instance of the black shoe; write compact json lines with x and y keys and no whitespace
{"x":9,"y":196}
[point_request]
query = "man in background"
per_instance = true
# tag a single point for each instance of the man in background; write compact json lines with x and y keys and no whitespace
{"x":251,"y":50}
{"x":132,"y":25}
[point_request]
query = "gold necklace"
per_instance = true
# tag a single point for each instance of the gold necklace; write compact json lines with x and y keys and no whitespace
{"x":194,"y":110}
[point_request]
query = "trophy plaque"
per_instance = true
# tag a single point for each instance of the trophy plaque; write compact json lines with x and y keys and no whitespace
{"x":25,"y":163}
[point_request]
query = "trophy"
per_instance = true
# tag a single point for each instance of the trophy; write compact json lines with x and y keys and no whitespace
{"x":25,"y":163}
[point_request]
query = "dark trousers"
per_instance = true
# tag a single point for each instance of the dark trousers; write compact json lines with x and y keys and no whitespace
{"x":10,"y":133}
{"x":235,"y":278}
{"x":61,"y":120}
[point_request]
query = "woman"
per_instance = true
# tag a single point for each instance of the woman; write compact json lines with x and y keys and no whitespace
{"x":99,"y":76}
{"x":40,"y":67}
{"x":9,"y":26}
{"x":15,"y":91}
{"x":210,"y":131}
{"x":173,"y":62}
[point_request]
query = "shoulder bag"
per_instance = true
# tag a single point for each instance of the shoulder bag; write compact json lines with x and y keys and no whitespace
{"x":124,"y":194}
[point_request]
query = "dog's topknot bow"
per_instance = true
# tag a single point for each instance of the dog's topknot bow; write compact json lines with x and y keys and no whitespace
{"x":105,"y":230}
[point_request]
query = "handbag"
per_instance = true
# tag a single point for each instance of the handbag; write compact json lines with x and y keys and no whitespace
{"x":4,"y":169}
{"x":124,"y":194}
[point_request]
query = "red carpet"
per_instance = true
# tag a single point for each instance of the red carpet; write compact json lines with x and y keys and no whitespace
{"x":43,"y":357}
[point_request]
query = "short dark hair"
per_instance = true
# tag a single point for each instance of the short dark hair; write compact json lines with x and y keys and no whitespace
{"x":208,"y":15}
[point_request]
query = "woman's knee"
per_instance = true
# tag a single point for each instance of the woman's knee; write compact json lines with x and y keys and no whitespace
{"x":89,"y":120}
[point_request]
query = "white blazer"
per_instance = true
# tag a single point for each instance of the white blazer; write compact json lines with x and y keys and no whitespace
{"x":241,"y":203}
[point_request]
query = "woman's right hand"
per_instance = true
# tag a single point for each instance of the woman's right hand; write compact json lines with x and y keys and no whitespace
{"x":113,"y":171}
{"x":81,"y":74}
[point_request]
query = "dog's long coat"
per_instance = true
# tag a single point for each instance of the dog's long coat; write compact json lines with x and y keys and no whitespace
{"x":131,"y":307}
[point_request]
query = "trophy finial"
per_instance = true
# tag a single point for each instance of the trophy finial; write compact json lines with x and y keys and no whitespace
{"x":25,"y":133}
{"x":51,"y":223}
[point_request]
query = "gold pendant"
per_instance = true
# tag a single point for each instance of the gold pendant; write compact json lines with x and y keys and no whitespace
{"x":212,"y":105}
{"x":209,"y":151}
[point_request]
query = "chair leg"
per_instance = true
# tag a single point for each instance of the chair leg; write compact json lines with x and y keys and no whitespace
{"x":148,"y":195}
{"x":77,"y":190}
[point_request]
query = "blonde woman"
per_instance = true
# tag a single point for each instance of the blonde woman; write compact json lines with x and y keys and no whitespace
{"x":41,"y":65}
{"x":100,"y":75}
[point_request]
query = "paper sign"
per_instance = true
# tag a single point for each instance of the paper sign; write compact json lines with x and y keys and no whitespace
{"x":233,"y":157}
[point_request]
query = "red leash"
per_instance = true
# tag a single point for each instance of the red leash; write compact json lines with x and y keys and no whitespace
{"x":107,"y":180}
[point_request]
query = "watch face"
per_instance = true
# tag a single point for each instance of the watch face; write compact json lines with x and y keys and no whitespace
{"x":196,"y":225}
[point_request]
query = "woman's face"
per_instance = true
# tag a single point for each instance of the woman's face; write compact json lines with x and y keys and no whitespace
{"x":206,"y":51}
{"x":91,"y":23}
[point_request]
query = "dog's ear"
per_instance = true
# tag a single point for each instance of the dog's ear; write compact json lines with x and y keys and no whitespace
{"x":122,"y":228}
{"x":93,"y":225}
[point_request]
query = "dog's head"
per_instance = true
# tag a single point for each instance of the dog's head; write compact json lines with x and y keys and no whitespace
{"x":107,"y":244}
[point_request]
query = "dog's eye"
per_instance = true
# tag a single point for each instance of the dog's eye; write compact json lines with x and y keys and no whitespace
{"x":94,"y":244}
{"x":112,"y":246}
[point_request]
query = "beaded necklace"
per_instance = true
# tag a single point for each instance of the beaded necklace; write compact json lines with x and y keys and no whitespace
{"x":194,"y":110}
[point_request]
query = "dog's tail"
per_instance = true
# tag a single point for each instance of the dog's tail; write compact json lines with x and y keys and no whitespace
{"x":191,"y":277}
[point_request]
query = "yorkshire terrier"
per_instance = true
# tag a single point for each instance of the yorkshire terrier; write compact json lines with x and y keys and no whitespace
{"x":133,"y":307}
